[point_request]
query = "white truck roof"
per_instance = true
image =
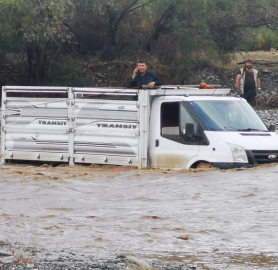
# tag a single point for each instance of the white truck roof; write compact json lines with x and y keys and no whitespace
{"x":195,"y":98}
{"x":176,"y":90}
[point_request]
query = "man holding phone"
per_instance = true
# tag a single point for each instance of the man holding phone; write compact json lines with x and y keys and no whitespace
{"x":142,"y":78}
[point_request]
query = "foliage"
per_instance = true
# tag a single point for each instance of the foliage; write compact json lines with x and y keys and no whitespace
{"x":35,"y":28}
{"x":267,"y":39}
{"x":180,"y":35}
{"x":66,"y":71}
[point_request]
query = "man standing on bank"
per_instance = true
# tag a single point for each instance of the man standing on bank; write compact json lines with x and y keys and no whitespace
{"x":248,"y":82}
{"x":142,"y":78}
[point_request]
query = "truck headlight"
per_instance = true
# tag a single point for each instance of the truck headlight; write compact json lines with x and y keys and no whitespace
{"x":239,"y":153}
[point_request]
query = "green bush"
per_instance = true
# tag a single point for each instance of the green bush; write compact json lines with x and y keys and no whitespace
{"x":66,"y":71}
{"x":267,"y":39}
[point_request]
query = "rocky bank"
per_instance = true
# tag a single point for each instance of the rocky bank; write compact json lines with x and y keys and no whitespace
{"x":71,"y":261}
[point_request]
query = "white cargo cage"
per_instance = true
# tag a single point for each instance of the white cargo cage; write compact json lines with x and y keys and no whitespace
{"x":119,"y":126}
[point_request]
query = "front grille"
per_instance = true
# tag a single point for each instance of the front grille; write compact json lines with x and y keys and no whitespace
{"x":262,"y":156}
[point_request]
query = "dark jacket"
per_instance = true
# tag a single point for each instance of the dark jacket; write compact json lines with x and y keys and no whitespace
{"x":141,"y":80}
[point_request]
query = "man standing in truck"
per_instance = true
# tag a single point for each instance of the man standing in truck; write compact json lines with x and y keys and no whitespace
{"x":248,"y":82}
{"x":142,"y":78}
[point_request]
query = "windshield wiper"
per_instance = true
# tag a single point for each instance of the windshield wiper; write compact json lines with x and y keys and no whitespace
{"x":251,"y":129}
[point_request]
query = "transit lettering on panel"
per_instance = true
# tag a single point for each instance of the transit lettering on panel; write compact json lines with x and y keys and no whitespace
{"x":124,"y":126}
{"x":53,"y":123}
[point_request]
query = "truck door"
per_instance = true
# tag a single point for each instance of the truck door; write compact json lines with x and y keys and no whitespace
{"x":169,"y":145}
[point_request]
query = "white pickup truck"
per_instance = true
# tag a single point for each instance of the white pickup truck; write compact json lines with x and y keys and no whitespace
{"x":170,"y":127}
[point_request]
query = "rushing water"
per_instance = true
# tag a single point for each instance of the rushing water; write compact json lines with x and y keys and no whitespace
{"x":212,"y":218}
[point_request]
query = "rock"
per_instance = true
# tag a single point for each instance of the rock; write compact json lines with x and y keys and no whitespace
{"x":139,"y":262}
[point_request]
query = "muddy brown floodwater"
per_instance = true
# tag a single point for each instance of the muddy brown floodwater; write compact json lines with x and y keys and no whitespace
{"x":205,"y":217}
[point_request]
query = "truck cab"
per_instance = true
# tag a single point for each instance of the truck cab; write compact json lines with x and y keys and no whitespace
{"x":224,"y":131}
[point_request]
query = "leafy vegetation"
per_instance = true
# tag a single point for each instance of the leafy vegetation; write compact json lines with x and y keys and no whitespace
{"x":174,"y":36}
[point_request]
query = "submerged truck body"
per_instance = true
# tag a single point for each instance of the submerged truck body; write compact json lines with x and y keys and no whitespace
{"x":170,"y":127}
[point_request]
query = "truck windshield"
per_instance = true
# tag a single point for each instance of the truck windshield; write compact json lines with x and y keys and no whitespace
{"x":227,"y":115}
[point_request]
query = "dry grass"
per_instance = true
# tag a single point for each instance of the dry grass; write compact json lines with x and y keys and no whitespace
{"x":21,"y":260}
{"x":22,"y":247}
{"x":271,"y":56}
{"x":137,"y":267}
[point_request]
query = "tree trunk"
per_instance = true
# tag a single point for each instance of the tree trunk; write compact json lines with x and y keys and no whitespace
{"x":36,"y":59}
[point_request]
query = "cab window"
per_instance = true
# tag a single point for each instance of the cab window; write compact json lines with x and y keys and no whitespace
{"x":174,"y":119}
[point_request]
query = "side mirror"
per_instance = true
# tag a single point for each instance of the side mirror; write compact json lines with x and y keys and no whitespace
{"x":189,"y":131}
{"x":272,"y":128}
